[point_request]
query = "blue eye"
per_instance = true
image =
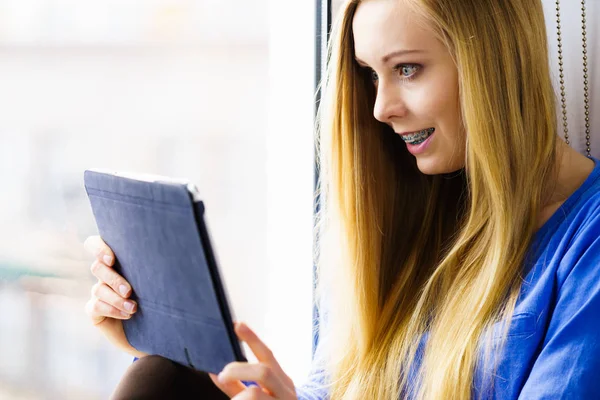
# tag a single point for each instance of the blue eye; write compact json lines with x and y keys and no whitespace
{"x":407,"y":71}
{"x":374,"y":76}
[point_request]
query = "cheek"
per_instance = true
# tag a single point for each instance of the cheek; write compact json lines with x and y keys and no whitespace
{"x":433,"y":105}
{"x":451,"y":117}
{"x":441,"y":104}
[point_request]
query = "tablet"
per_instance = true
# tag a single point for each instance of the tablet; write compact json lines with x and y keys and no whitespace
{"x":156,"y":228}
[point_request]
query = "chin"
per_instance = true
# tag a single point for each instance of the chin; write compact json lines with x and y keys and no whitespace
{"x":436,"y":166}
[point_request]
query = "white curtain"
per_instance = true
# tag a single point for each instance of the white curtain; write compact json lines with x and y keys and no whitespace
{"x":571,"y":28}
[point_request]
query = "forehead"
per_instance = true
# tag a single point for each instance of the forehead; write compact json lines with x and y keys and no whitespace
{"x":383,"y":26}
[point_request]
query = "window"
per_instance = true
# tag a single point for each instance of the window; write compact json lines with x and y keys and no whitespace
{"x":217,"y":92}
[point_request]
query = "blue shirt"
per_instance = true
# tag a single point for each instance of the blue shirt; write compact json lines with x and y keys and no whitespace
{"x":553,"y":346}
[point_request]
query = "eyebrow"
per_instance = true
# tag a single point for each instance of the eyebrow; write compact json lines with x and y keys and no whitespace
{"x":393,"y":54}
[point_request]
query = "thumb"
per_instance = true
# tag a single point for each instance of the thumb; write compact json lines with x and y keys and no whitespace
{"x":231,"y":389}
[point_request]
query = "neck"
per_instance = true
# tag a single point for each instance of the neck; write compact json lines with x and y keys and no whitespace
{"x":572,"y":169}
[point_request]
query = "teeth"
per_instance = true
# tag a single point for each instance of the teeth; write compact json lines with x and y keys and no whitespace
{"x":418,"y":137}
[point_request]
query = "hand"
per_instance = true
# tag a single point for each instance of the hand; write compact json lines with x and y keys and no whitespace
{"x":273,"y":382}
{"x":109,"y":303}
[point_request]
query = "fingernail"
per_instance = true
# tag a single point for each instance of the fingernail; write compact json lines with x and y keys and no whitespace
{"x":123,"y":313}
{"x":123,"y":290}
{"x":128,"y":306}
{"x":107,"y":259}
{"x":221,"y":377}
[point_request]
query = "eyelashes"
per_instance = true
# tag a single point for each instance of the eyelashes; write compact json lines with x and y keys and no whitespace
{"x":405,"y":72}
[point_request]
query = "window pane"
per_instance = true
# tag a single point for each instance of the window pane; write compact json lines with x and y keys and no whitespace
{"x":178,"y":88}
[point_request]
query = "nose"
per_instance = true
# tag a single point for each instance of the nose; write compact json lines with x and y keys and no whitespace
{"x":389,"y":104}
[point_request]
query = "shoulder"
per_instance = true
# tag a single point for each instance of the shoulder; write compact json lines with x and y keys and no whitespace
{"x":573,"y":235}
{"x":584,"y":220}
{"x":581,"y":239}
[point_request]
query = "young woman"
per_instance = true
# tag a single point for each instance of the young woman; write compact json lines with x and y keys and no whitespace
{"x":459,"y":233}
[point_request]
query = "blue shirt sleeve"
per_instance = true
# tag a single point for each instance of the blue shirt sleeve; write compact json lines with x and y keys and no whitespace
{"x":313,"y":388}
{"x":568,"y":363}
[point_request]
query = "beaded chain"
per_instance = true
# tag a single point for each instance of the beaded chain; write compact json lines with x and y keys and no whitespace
{"x":586,"y":93}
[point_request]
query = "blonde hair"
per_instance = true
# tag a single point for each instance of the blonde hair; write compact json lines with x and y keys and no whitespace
{"x":403,"y":254}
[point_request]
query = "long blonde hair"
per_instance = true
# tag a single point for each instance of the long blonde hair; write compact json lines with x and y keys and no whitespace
{"x":405,"y":256}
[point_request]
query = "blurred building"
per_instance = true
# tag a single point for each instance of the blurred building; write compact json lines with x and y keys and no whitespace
{"x":175,"y":88}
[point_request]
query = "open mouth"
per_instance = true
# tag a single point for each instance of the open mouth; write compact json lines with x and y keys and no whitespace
{"x":418,"y":137}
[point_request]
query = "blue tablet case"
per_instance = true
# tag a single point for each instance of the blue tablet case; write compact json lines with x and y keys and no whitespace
{"x":162,"y":247}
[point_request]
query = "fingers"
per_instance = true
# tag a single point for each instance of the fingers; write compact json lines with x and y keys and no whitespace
{"x":99,"y":249}
{"x":267,"y":372}
{"x":253,"y":393}
{"x":261,"y":351}
{"x":108,"y":275}
{"x":229,"y":388}
{"x":103,"y":292}
{"x":101,"y":267}
{"x":260,"y":373}
{"x":98,"y":311}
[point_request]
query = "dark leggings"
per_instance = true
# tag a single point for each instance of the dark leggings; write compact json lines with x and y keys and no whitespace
{"x":154,"y":377}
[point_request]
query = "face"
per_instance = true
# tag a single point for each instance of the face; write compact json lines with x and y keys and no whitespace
{"x":416,"y":82}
